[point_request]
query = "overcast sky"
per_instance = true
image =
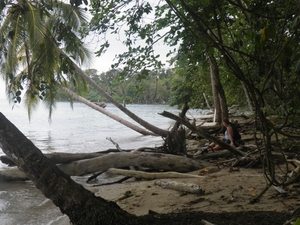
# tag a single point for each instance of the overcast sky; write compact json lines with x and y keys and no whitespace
{"x":103,"y":63}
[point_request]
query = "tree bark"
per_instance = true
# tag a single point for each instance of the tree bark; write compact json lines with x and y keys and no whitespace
{"x":150,"y":176}
{"x":217,"y":104}
{"x":59,"y":157}
{"x":250,"y":104}
{"x":180,"y":186}
{"x":105,"y":112}
{"x":79,"y":204}
{"x":218,"y":91}
{"x":156,"y":161}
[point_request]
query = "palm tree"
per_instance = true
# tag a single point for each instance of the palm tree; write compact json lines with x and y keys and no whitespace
{"x":30,"y":62}
{"x":45,"y":52}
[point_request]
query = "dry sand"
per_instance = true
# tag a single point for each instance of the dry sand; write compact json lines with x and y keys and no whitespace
{"x":225,"y":191}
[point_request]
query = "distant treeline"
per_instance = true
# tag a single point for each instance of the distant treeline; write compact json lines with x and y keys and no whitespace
{"x":149,"y":88}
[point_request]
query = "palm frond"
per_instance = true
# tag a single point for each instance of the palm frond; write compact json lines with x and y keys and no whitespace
{"x":33,"y":39}
{"x":34,"y":25}
{"x":11,"y":34}
{"x":50,"y":99}
{"x":72,"y":16}
{"x":31,"y":101}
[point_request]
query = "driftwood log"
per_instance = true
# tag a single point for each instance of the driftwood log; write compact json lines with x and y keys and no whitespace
{"x":205,"y":222}
{"x":157,"y":161}
{"x":150,"y":176}
{"x":180,"y":186}
{"x":12,"y":174}
{"x":60,"y":157}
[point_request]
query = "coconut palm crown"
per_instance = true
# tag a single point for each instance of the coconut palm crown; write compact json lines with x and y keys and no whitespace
{"x":33,"y":35}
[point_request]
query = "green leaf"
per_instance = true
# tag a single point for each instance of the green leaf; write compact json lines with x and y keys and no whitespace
{"x":297,"y":222}
{"x":18,"y":93}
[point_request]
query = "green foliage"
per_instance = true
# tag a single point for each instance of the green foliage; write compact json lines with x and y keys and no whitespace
{"x":189,"y":84}
{"x":255,"y":44}
{"x":33,"y":35}
{"x":173,"y":30}
{"x":297,"y":222}
{"x":152,"y":88}
{"x":142,"y":32}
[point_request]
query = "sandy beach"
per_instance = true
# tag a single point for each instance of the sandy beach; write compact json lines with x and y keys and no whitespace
{"x":225,"y":190}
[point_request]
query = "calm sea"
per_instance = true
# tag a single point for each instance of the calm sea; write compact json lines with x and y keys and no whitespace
{"x":76,"y":130}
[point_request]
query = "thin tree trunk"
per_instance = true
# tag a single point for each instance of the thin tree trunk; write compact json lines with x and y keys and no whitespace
{"x":218,"y":91}
{"x":105,"y":112}
{"x":247,"y":97}
{"x":206,"y":100}
{"x":218,"y":117}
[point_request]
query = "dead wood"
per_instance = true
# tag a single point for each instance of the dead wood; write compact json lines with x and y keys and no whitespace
{"x":164,"y":162}
{"x":180,"y":186}
{"x":94,"y":176}
{"x":175,"y":142}
{"x":203,"y":134}
{"x":113,"y":182}
{"x":159,"y":162}
{"x":210,"y":155}
{"x":12,"y":174}
{"x":60,"y":157}
{"x":205,"y":222}
{"x":150,"y":176}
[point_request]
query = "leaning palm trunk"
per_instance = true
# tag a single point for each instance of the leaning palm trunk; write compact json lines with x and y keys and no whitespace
{"x":105,"y":112}
{"x":154,"y":129}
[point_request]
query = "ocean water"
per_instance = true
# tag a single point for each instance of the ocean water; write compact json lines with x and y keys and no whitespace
{"x":76,"y":130}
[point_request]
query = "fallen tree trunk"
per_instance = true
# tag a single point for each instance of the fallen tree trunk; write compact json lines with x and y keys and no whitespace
{"x":58,"y":157}
{"x":150,"y":176}
{"x":12,"y":174}
{"x":180,"y":186}
{"x":157,"y":161}
{"x":64,"y":157}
